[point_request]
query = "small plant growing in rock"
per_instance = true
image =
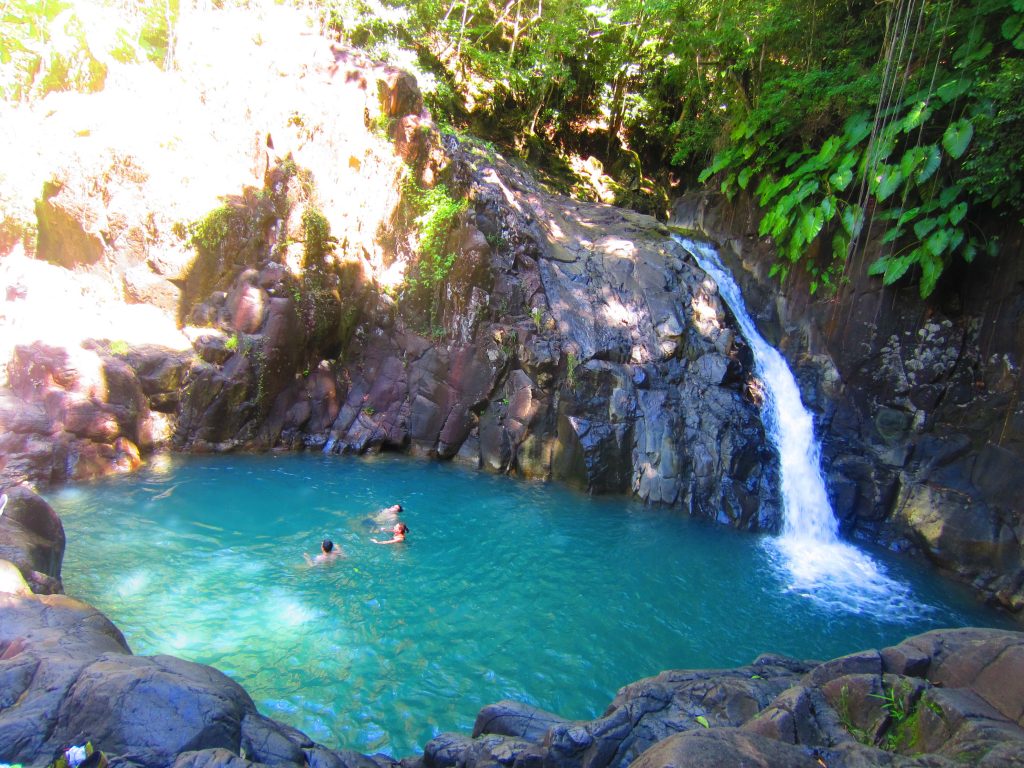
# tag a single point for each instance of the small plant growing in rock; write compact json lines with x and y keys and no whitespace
{"x":119,"y":347}
{"x":538,"y":318}
{"x":232,"y":343}
{"x":571,"y":364}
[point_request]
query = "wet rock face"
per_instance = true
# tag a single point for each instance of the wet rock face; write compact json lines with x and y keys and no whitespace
{"x":917,"y":403}
{"x":579,"y":343}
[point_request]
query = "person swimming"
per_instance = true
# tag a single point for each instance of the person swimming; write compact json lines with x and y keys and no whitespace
{"x":388,"y":515}
{"x":328,"y":554}
{"x":397,"y":535}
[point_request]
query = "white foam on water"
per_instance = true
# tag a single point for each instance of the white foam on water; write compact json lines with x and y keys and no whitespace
{"x":816,"y":563}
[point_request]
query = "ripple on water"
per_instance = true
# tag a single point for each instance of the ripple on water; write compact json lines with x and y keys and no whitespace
{"x":505,"y":589}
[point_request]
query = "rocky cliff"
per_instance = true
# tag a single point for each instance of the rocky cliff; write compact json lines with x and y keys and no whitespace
{"x":543,"y":337}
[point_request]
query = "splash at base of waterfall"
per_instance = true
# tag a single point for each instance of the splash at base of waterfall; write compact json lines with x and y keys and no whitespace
{"x":839,"y":576}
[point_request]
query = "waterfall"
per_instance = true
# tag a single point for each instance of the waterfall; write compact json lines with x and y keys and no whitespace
{"x":815,"y":561}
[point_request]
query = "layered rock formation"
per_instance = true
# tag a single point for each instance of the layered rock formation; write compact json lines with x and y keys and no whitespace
{"x":917,"y":403}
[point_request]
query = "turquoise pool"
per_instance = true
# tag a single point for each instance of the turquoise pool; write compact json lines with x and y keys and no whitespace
{"x":504,"y":589}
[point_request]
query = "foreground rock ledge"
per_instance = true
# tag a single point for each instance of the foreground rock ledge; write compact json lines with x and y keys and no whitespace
{"x":944,"y":698}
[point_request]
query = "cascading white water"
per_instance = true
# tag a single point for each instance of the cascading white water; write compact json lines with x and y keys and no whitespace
{"x":818,"y":564}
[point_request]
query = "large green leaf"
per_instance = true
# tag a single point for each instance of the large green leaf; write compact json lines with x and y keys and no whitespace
{"x":931,"y":268}
{"x":938,"y":241}
{"x":888,"y":181}
{"x":953,"y":89}
{"x":841,"y":179}
{"x":924,"y":226}
{"x":897,"y":268}
{"x":949,"y":194}
{"x":957,"y":213}
{"x":1012,"y":26}
{"x":957,"y":137}
{"x":932,"y":158}
{"x":891,"y":235}
{"x":811,"y":223}
{"x":908,"y":215}
{"x":829,"y":149}
{"x":852,"y":220}
{"x":878,"y":266}
{"x":918,"y":113}
{"x":856,"y":129}
{"x":744,"y":178}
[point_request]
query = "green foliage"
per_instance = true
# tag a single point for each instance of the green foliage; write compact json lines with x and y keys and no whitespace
{"x":119,"y":347}
{"x":317,"y":240}
{"x":899,"y":711}
{"x":210,"y":232}
{"x":231,"y":344}
{"x":571,"y":364}
{"x":538,"y":318}
{"x":702,"y":721}
{"x":44,"y":48}
{"x":434,"y":213}
{"x":45,"y":44}
{"x":914,"y":163}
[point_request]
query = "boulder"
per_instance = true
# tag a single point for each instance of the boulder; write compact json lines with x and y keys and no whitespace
{"x":32,"y":538}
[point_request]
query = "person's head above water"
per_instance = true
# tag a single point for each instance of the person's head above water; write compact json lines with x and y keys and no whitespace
{"x":327,"y":545}
{"x":400,"y":529}
{"x":395,"y":508}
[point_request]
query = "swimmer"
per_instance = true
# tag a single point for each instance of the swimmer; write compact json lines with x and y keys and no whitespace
{"x":388,"y":515}
{"x":328,"y":554}
{"x":398,"y":535}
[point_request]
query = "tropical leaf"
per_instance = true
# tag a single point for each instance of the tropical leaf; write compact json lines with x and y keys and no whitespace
{"x":703,"y":721}
{"x":949,"y":194}
{"x":908,"y":215}
{"x":957,"y":137}
{"x":932,"y":159}
{"x":918,"y":113}
{"x":856,"y":129}
{"x":840,"y":245}
{"x":957,"y":213}
{"x":1012,"y":26}
{"x":852,"y":220}
{"x":744,"y":178}
{"x":811,"y":223}
{"x":841,"y":179}
{"x":931,"y":268}
{"x":924,"y":226}
{"x":878,"y":266}
{"x":953,"y":89}
{"x":891,"y":235}
{"x":888,"y":181}
{"x":937,"y":243}
{"x":897,"y":267}
{"x":829,"y":149}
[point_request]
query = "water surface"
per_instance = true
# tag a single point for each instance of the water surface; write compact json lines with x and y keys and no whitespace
{"x":504,"y":589}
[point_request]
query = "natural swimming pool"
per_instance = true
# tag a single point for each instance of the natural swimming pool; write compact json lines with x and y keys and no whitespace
{"x":504,"y":589}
